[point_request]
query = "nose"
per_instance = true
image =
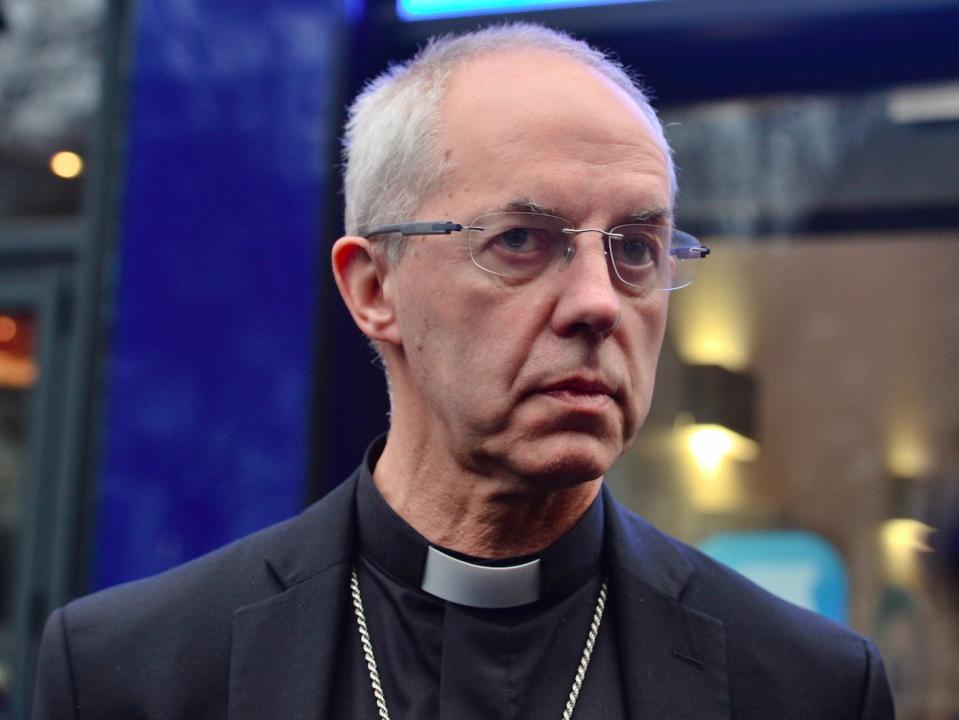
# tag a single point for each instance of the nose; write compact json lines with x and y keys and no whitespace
{"x":587,"y":300}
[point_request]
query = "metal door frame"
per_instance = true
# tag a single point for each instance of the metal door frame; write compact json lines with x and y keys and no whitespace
{"x":39,"y":291}
{"x":60,"y":269}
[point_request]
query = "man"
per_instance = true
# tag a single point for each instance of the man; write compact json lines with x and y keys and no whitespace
{"x":510,"y":253}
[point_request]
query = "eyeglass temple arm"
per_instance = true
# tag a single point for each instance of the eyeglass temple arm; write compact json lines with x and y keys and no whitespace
{"x":419,"y":228}
{"x":693,"y":250}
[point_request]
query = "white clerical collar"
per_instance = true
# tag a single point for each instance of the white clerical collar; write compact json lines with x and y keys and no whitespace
{"x":481,"y":586}
{"x":396,"y":548}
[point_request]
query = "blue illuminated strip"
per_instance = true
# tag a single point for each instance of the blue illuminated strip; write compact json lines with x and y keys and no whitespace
{"x":411,"y":10}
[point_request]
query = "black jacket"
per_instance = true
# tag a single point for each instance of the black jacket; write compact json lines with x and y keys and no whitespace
{"x":250,"y":632}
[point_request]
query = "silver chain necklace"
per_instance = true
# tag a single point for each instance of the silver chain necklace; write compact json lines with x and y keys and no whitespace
{"x":375,"y":675}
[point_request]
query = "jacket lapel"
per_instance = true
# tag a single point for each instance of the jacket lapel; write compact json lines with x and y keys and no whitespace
{"x":284,"y":648}
{"x":673,"y":657}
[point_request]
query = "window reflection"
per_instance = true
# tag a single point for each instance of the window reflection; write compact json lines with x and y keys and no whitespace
{"x":49,"y":92}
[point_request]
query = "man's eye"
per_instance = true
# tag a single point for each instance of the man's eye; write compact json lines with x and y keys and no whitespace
{"x":635,"y":251}
{"x":520,"y":240}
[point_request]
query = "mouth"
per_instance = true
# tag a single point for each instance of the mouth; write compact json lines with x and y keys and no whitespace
{"x":580,"y":392}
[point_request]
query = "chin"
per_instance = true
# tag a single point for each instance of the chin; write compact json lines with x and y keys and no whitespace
{"x":565,"y":460}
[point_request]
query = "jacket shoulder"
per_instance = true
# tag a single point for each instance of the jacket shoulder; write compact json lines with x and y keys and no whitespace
{"x":780,"y":660}
{"x":234,"y":575}
{"x":166,"y":639}
{"x":778,"y":650}
{"x":741,"y":604}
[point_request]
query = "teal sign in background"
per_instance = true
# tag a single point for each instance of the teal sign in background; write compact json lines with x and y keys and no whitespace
{"x":795,"y":565}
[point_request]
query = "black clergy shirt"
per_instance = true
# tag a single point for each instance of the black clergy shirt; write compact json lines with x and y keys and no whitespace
{"x":440,"y":660}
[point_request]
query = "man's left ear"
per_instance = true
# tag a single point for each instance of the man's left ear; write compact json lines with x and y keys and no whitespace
{"x":363,"y":277}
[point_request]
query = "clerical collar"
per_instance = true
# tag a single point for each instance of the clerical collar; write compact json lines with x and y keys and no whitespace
{"x":389,"y":542}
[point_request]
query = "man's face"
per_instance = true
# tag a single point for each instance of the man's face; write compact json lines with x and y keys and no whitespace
{"x":546,"y":380}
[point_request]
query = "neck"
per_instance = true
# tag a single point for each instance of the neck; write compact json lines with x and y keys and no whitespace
{"x":473,"y":513}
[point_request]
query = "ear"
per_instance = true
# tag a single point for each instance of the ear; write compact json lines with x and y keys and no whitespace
{"x":363,"y":278}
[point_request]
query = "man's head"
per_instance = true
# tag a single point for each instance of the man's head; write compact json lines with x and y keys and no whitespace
{"x":547,"y":378}
{"x":391,"y":151}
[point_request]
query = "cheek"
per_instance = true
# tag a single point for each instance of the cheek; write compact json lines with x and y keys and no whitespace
{"x":455,"y":341}
{"x":643,"y":352}
{"x":491,"y":338}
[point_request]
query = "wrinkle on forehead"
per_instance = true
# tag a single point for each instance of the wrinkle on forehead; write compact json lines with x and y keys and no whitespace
{"x":569,"y":184}
{"x":547,"y":118}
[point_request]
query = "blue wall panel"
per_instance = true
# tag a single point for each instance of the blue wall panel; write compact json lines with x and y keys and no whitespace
{"x":211,"y":352}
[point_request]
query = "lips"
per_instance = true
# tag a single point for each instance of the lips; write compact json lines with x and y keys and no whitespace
{"x":581,"y":386}
{"x":581,"y":393}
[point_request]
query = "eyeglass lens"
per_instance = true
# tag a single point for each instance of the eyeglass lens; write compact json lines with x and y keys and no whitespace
{"x":523,"y":245}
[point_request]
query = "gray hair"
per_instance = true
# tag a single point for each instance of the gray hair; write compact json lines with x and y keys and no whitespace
{"x":390,"y":147}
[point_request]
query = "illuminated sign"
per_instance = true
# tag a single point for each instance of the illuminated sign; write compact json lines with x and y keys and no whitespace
{"x":410,"y":10}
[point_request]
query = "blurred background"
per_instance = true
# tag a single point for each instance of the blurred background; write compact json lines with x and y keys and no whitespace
{"x":176,"y":370}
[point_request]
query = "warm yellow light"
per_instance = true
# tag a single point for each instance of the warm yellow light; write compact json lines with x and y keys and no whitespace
{"x":721,"y":492}
{"x":908,"y":456}
{"x":712,"y":346}
{"x":17,"y":372}
{"x":712,"y":483}
{"x":902,"y":539}
{"x":8,"y":328}
{"x":712,"y":320}
{"x":66,"y":164}
{"x":710,"y":445}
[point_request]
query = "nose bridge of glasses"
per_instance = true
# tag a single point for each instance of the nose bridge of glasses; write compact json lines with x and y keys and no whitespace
{"x":569,"y":251}
{"x":604,"y":233}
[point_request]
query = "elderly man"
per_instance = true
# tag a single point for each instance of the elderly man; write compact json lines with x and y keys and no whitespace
{"x":510,"y":253}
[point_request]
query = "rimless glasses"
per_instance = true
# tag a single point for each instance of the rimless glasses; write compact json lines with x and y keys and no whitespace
{"x":523,"y":245}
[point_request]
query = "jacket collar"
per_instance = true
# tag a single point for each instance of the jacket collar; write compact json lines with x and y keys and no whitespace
{"x":285,"y":646}
{"x":321,"y":537}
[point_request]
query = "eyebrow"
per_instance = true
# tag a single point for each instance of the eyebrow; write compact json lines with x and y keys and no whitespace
{"x":649,"y":215}
{"x":528,"y":206}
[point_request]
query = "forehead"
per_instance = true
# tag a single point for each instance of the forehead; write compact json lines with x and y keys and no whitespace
{"x":536,"y":124}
